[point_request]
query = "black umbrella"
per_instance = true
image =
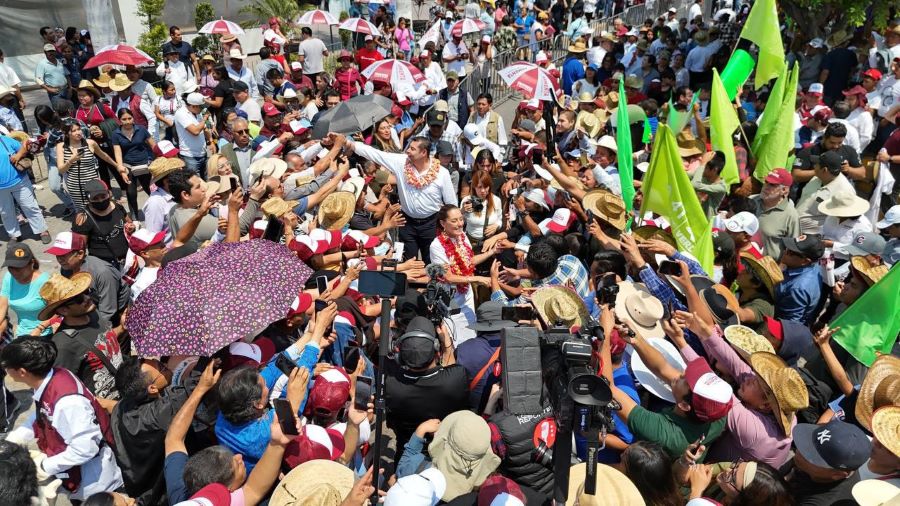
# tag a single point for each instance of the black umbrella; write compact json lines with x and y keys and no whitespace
{"x":354,"y":115}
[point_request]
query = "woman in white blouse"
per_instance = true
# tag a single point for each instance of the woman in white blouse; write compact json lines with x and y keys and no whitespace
{"x":482,"y":210}
{"x":452,"y":249}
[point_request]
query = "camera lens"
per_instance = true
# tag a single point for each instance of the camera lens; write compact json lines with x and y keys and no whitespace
{"x":542,"y":454}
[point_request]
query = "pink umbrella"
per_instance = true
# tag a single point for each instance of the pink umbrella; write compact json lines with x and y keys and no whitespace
{"x":222,"y":26}
{"x":360,"y":25}
{"x":531,"y":80}
{"x":119,"y":54}
{"x":465,"y":26}
{"x":394,"y":72}
{"x":317,"y":17}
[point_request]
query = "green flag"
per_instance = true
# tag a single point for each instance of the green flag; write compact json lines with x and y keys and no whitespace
{"x":872,"y":322}
{"x":770,"y":114}
{"x":678,"y":120}
{"x":723,"y":121}
{"x":647,"y":136}
{"x":762,"y":29}
{"x":668,"y":192}
{"x":778,"y":144}
{"x":625,"y":162}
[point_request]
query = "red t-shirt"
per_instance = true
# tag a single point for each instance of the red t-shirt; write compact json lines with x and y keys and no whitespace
{"x":366,"y":57}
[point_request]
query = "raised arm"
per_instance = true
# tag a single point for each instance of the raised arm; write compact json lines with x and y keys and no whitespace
{"x":174,"y":441}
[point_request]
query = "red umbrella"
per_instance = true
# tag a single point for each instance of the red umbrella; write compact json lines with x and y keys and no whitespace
{"x":360,"y":25}
{"x":222,"y":26}
{"x":317,"y":17}
{"x":465,"y":26}
{"x":119,"y":54}
{"x":531,"y":80}
{"x":394,"y":72}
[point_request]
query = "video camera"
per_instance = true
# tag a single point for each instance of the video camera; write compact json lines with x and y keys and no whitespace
{"x":580,"y":398}
{"x":437,"y":294}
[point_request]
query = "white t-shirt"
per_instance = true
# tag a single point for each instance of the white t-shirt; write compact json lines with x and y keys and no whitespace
{"x":252,"y":108}
{"x":145,"y":278}
{"x":694,"y":11}
{"x":312,"y":50}
{"x":459,"y":65}
{"x":464,"y":301}
{"x":8,"y":76}
{"x":188,"y":143}
{"x":475,"y":221}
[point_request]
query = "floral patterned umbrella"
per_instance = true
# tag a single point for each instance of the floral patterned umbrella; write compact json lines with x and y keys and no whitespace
{"x":210,"y":299}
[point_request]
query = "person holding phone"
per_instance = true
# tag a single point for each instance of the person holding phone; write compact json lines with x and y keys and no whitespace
{"x":79,"y":162}
{"x":244,"y":422}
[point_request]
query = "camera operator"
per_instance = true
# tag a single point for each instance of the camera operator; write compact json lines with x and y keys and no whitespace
{"x":417,"y":386}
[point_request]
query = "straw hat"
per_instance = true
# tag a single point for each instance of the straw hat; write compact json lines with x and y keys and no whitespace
{"x":162,"y":167}
{"x":90,"y":88}
{"x":648,"y":232}
{"x":633,"y":81}
{"x":461,"y":450}
{"x":788,"y":390}
{"x":635,"y":113}
{"x":578,"y":47}
{"x":59,"y":289}
{"x":766,"y":269}
{"x":637,"y":305}
{"x":102,"y":80}
{"x":315,"y":482}
{"x":228,"y":37}
{"x":262,"y":167}
{"x":210,"y":188}
{"x":885,"y":370}
{"x":120,"y":82}
{"x":747,"y":342}
{"x":588,"y":123}
{"x":876,"y":492}
{"x":688,"y":145}
{"x":838,"y":38}
{"x":336,"y":210}
{"x":886,"y":427}
{"x":613,"y":488}
{"x":277,"y":207}
{"x":558,"y":303}
{"x":607,"y":206}
{"x":844,"y":204}
{"x":871,"y":274}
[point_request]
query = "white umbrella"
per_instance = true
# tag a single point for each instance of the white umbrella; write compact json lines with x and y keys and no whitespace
{"x":394,"y":72}
{"x":222,"y":27}
{"x":531,"y":80}
{"x":360,"y":25}
{"x":317,"y":17}
{"x":433,"y":34}
{"x":465,"y":26}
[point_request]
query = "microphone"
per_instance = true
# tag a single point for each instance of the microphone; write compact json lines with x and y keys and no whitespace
{"x":435,"y":271}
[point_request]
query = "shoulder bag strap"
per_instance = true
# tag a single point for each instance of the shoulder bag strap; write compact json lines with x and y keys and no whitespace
{"x":484,"y":369}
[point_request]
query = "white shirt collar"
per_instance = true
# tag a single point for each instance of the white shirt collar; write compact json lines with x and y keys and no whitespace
{"x":39,"y":391}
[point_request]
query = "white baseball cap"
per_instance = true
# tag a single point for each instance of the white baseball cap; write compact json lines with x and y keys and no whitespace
{"x":195,"y":99}
{"x":742,"y":222}
{"x":423,"y":489}
{"x":891,"y":217}
{"x":560,"y":221}
{"x":816,"y":88}
{"x":537,"y":196}
{"x":473,"y":135}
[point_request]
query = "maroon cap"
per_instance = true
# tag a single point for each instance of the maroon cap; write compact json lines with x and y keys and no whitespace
{"x":498,"y":486}
{"x":711,"y":396}
{"x":780,"y":176}
{"x":856,"y":90}
{"x":329,"y":393}
{"x":345,"y":54}
{"x":314,"y":443}
{"x":214,"y":494}
{"x":823,"y":114}
{"x":270,"y":110}
{"x":872,"y":74}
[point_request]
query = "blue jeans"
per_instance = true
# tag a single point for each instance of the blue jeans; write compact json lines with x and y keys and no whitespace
{"x":54,"y":179}
{"x":195,"y":164}
{"x":21,"y":193}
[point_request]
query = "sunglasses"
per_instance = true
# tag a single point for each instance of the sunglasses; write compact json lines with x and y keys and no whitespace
{"x":241,"y":132}
{"x":730,"y":476}
{"x":80,"y":298}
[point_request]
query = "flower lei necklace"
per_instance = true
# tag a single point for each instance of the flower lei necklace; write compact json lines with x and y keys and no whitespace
{"x":417,"y":181}
{"x":460,"y":255}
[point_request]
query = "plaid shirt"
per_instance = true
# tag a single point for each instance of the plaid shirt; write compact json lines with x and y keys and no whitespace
{"x":569,"y":271}
{"x":662,"y":291}
{"x":728,"y":33}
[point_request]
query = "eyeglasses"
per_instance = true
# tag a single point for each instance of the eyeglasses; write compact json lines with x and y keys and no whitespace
{"x":730,"y":476}
{"x":241,"y":132}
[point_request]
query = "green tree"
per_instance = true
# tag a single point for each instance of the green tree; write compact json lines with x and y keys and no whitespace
{"x":152,"y":40}
{"x":203,"y":13}
{"x":812,"y":17}
{"x":262,"y":10}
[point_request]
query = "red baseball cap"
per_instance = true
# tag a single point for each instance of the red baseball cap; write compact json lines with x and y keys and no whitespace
{"x":780,"y":176}
{"x":499,"y":489}
{"x":142,"y":239}
{"x":270,"y":110}
{"x":214,"y":494}
{"x":872,"y":74}
{"x":256,"y":353}
{"x":314,"y":443}
{"x":711,"y":396}
{"x":329,"y":393}
{"x":67,"y":242}
{"x":300,"y":305}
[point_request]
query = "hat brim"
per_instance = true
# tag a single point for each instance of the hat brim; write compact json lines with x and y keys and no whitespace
{"x":81,"y":282}
{"x":884,"y":366}
{"x":542,"y":296}
{"x":746,"y":341}
{"x":764,"y":364}
{"x":627,"y":288}
{"x":349,"y":208}
{"x":592,"y":201}
{"x":857,"y":208}
{"x":651,"y":382}
{"x":802,"y":435}
{"x":492,"y":325}
{"x":113,"y":86}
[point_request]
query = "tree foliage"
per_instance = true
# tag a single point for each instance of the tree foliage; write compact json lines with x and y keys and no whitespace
{"x":150,"y":10}
{"x":152,"y":40}
{"x":203,"y":13}
{"x":813,"y":17}
{"x":262,"y":10}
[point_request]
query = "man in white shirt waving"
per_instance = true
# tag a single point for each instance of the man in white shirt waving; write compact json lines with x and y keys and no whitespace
{"x":422,"y":185}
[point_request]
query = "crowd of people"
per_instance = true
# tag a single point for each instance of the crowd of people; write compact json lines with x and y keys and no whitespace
{"x":726,"y":385}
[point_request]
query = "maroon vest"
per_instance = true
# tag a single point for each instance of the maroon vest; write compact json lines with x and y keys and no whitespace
{"x":134,"y":103}
{"x":62,"y":384}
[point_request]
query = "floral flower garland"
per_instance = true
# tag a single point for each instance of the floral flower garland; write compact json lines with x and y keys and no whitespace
{"x":460,"y":254}
{"x":417,"y":181}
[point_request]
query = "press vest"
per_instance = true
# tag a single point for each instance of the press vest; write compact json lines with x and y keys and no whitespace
{"x":517,"y":432}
